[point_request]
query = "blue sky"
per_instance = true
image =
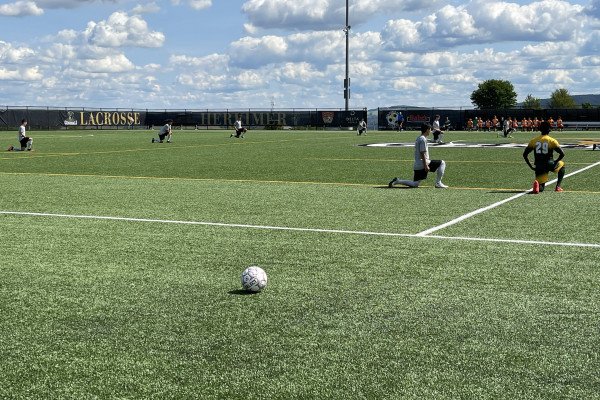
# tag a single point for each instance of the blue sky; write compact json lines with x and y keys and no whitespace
{"x":198,"y":54}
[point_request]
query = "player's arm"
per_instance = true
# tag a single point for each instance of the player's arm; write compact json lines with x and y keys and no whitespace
{"x":561,"y":155}
{"x":426,"y":167}
{"x":526,"y":156}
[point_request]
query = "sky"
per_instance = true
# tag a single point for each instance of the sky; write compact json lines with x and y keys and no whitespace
{"x":263,"y":54}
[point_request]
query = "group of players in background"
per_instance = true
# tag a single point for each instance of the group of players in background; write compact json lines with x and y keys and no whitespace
{"x":527,"y":124}
{"x":543,"y":147}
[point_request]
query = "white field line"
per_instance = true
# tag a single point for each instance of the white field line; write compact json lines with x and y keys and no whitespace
{"x":484,"y":209}
{"x":295,"y":229}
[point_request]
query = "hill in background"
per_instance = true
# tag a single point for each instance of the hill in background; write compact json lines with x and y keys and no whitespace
{"x":593,"y":99}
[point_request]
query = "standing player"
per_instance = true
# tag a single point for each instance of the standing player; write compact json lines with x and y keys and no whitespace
{"x":25,"y":141}
{"x":559,"y":124}
{"x":399,"y":121}
{"x":239,"y":129}
{"x":165,"y":132}
{"x":543,"y":148}
{"x":423,"y":164}
{"x":362,"y":127}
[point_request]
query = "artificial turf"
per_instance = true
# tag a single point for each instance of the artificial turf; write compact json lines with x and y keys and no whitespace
{"x":152,"y":308}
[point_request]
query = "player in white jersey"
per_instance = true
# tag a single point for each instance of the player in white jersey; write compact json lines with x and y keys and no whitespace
{"x":25,"y":141}
{"x":239,"y":129}
{"x":438,"y":134}
{"x":423,"y":164}
{"x":362,"y":127}
{"x":165,"y":132}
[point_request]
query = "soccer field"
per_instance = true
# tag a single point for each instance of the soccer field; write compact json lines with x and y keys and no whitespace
{"x":121,"y":259}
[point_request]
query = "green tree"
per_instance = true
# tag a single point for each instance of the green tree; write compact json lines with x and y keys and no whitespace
{"x":561,"y":98}
{"x":587,"y":106}
{"x":494,"y":93}
{"x":532,"y":102}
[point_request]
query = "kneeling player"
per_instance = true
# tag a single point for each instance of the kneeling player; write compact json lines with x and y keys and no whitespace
{"x":543,"y":148}
{"x":362,"y":127}
{"x":422,"y":164}
{"x":165,"y":132}
{"x":239,"y":129}
{"x":25,"y":141}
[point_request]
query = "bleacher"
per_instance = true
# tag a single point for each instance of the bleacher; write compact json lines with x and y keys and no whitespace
{"x":581,"y":125}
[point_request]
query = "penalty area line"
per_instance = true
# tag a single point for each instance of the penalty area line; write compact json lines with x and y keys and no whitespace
{"x":492,"y":206}
{"x":298,"y":229}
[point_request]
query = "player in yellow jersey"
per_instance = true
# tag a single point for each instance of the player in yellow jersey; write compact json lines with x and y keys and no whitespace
{"x":543,"y":148}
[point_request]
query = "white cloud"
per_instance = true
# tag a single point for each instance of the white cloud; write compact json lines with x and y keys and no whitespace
{"x":121,"y":29}
{"x":299,"y":73}
{"x":484,"y":21}
{"x":21,"y":74}
{"x":322,"y":14}
{"x":111,"y":64}
{"x":10,"y":54}
{"x":195,"y":4}
{"x":147,"y":8}
{"x":20,"y":9}
{"x":549,"y":20}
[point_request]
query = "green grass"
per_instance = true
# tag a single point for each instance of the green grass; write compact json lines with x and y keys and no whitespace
{"x":105,"y":309}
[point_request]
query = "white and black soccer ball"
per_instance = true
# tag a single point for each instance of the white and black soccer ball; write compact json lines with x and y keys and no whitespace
{"x":254,"y":279}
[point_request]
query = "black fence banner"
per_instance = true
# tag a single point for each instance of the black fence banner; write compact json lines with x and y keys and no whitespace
{"x":213,"y":119}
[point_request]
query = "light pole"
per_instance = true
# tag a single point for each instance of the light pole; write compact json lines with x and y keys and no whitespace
{"x":347,"y":78}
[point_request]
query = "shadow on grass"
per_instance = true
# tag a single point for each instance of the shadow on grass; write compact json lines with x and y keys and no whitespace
{"x":393,"y":187}
{"x":241,"y":292}
{"x":507,"y":191}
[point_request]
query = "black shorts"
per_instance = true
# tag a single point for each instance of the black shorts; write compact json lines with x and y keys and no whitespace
{"x":24,"y":141}
{"x":421,"y":174}
{"x":162,"y":136}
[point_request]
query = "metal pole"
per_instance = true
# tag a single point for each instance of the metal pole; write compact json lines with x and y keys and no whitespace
{"x":347,"y":80}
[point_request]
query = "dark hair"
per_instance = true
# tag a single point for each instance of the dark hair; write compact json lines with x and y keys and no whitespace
{"x":545,"y":127}
{"x":24,"y":120}
{"x":425,"y":127}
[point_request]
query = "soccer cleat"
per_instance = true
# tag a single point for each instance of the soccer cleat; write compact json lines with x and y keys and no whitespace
{"x":536,"y":187}
{"x":152,"y":140}
{"x":391,"y":184}
{"x":558,"y":189}
{"x":594,"y":147}
{"x":11,"y":148}
{"x":168,"y":141}
{"x":440,"y":185}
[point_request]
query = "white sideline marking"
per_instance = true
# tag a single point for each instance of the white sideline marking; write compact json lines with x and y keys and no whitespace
{"x":295,"y":229}
{"x":484,"y":209}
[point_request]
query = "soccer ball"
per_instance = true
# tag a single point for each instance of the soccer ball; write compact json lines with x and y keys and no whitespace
{"x":254,"y":279}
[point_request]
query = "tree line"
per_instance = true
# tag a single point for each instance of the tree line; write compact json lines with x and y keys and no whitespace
{"x":496,"y":93}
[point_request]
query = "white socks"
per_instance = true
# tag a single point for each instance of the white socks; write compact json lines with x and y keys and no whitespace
{"x":440,"y":172}
{"x":29,"y":144}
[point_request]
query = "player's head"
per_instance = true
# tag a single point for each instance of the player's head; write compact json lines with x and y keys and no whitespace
{"x":24,"y":121}
{"x":437,"y":117}
{"x":545,"y":127}
{"x":425,"y":128}
{"x":169,"y":121}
